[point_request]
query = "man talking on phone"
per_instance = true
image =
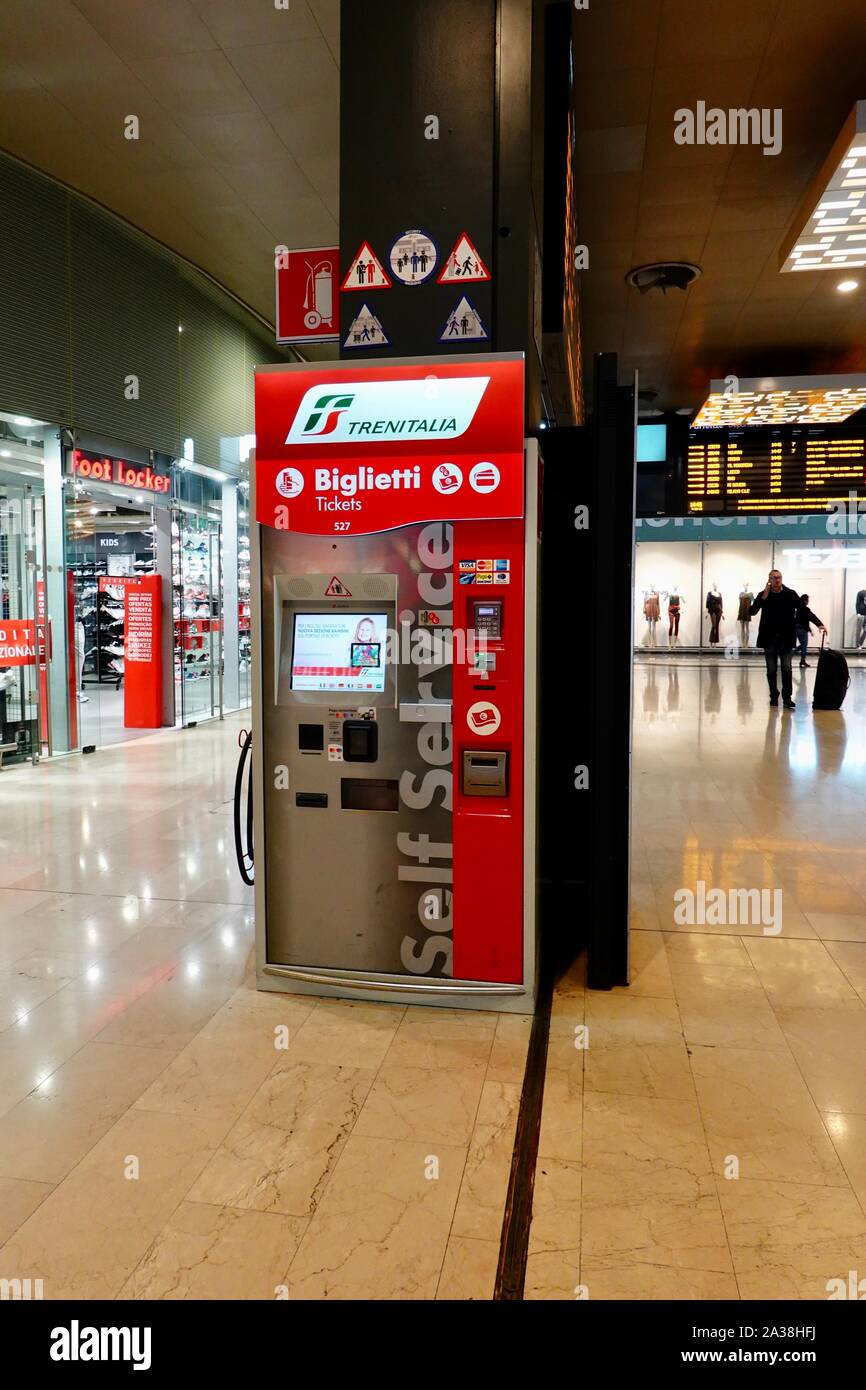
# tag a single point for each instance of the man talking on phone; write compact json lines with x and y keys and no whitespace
{"x":777,"y":635}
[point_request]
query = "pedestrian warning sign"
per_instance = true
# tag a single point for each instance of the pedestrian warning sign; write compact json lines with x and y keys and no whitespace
{"x":365,"y":331}
{"x":337,"y":589}
{"x":464,"y":264}
{"x":366,"y":272}
{"x":464,"y":325}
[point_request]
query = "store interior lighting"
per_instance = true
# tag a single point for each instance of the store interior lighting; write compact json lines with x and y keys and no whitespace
{"x":782,"y":401}
{"x":829,"y":228}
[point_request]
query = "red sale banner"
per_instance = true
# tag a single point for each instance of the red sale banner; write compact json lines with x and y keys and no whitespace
{"x":18,"y":642}
{"x":355,"y":447}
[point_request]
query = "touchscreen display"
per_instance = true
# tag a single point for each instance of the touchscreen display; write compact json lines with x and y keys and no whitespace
{"x":339,"y":651}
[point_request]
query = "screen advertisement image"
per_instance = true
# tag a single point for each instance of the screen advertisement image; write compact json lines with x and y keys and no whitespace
{"x":339,"y":651}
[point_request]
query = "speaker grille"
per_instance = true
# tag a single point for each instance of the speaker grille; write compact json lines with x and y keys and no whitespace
{"x":300,"y":588}
{"x":374,"y":587}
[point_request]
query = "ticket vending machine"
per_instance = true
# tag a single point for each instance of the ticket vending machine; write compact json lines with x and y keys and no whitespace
{"x":395,"y":574}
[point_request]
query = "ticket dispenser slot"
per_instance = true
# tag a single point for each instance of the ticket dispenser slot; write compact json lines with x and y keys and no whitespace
{"x":485,"y":773}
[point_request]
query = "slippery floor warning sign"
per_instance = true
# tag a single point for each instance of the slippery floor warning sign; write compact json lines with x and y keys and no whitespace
{"x":365,"y":330}
{"x":464,"y":264}
{"x":366,"y":272}
{"x":463,"y":325}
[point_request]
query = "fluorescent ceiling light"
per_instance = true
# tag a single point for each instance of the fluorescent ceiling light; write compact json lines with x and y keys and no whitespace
{"x":792,"y":400}
{"x":847,"y":286}
{"x":840,"y":188}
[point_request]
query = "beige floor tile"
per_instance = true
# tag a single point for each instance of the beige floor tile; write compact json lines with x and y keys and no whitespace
{"x":481,"y":1203}
{"x":168,"y":1016}
{"x":556,"y":1207}
{"x":625,"y":1221}
{"x":788,"y":1239}
{"x":214,"y":1252}
{"x":662,"y":1142}
{"x":644,"y":1283}
{"x":738,"y":1022}
{"x":87,"y":1236}
{"x":829,"y":1046}
{"x":507,"y":1061}
{"x":757,"y":1109}
{"x":210,"y":1077}
{"x":839,"y":926}
{"x":561,"y":1130}
{"x":382,"y":1227}
{"x":850,"y":956}
{"x":19,"y":1198}
{"x":649,"y":969}
{"x":801,"y":974}
{"x":468,"y":1270}
{"x":553,"y":1276}
{"x":281,"y":1152}
{"x":697,"y":981}
{"x":443,"y":1038}
{"x":343,"y":1034}
{"x":438,"y":1107}
{"x":848,"y":1136}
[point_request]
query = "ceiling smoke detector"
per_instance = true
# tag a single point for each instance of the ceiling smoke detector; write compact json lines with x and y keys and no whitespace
{"x":663,"y":275}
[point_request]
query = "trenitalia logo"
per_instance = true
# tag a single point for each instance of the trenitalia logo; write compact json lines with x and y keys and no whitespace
{"x":434,"y":408}
{"x":337,"y":403}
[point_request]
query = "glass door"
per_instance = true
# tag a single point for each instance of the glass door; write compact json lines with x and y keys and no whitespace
{"x":198,"y":655}
{"x":23,"y":683}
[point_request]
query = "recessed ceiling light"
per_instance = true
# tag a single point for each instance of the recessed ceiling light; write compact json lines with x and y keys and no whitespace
{"x":23,"y":420}
{"x":5,"y":453}
{"x":829,"y":227}
{"x":847,"y":286}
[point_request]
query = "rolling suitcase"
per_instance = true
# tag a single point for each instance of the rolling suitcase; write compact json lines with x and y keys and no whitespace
{"x":831,"y":679}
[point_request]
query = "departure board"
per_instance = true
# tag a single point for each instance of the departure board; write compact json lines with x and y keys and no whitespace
{"x":786,"y":469}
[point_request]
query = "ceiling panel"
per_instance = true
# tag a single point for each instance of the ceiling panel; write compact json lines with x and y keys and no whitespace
{"x":725,"y":207}
{"x":238,"y":110}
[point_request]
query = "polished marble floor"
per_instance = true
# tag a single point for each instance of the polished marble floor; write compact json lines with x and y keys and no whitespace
{"x":706,"y":1138}
{"x":156,"y":1143}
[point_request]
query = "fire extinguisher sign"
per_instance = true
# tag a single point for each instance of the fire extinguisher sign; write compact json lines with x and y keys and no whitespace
{"x":308,"y":300}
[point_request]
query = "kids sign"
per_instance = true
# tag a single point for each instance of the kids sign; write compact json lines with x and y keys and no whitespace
{"x":354,"y":447}
{"x":99,"y":468}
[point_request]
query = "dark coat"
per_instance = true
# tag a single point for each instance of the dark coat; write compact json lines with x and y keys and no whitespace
{"x":779,"y":617}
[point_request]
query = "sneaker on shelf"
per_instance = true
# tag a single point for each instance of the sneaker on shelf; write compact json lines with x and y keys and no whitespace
{"x":114,"y":667}
{"x":115,"y":649}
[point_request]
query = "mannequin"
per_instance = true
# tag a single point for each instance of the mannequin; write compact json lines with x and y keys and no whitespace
{"x":80,"y":647}
{"x":652,"y":613}
{"x":744,"y":612}
{"x":860,"y":609}
{"x":715,"y":608}
{"x":676,"y":603}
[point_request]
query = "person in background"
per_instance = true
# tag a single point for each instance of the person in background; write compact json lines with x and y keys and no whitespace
{"x":805,"y":617}
{"x":777,"y":634}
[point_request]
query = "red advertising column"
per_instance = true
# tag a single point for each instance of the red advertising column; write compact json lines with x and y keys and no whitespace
{"x":142,"y":674}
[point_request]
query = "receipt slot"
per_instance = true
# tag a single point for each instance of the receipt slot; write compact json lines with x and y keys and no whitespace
{"x":484,"y":774}
{"x":394,"y":625}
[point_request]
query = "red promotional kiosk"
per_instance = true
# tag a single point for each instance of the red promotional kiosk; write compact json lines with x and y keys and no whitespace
{"x":395,"y":603}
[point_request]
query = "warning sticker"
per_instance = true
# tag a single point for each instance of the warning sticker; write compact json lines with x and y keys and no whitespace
{"x":463,"y":325}
{"x":337,"y":589}
{"x":464,"y":264}
{"x":366,"y":272}
{"x":413,"y":257}
{"x":365,"y":331}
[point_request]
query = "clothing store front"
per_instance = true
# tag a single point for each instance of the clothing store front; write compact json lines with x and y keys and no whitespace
{"x":696,"y":578}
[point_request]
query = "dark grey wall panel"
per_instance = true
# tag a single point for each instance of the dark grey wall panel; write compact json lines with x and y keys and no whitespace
{"x":88,"y":301}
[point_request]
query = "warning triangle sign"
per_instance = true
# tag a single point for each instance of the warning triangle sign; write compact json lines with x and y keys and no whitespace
{"x":463,"y":325}
{"x":464,"y":264}
{"x":337,"y":589}
{"x":367,"y":272}
{"x":365,"y":330}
